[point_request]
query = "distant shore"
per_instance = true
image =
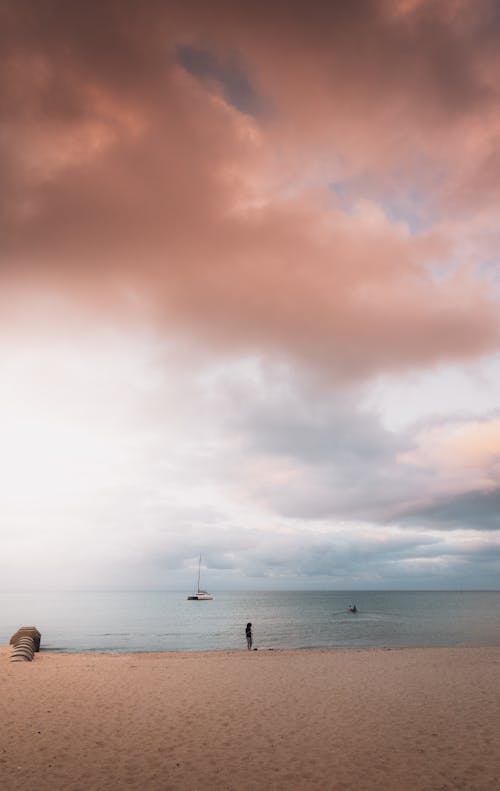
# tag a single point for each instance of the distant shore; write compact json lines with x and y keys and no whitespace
{"x":393,"y":719}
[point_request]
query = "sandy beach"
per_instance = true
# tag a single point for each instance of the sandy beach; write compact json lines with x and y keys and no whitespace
{"x":295,"y":719}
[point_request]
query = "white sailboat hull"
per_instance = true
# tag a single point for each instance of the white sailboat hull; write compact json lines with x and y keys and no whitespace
{"x":200,"y":597}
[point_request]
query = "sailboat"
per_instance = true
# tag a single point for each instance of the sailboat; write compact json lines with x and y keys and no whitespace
{"x":200,"y":595}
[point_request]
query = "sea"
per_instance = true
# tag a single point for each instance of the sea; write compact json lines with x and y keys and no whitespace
{"x":119,"y":621}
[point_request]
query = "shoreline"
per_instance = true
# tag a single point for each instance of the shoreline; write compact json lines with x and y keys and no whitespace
{"x":218,"y":651}
{"x":5,"y":651}
{"x":362,"y":719}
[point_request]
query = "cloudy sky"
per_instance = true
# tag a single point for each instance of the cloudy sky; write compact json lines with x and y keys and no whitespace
{"x":249,"y":293}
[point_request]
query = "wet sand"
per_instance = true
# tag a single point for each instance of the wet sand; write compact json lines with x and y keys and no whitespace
{"x":397,"y":720}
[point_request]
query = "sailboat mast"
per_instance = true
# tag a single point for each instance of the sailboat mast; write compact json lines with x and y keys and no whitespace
{"x":199,"y":569}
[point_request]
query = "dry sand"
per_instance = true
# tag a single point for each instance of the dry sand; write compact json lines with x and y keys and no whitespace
{"x":310,"y":719}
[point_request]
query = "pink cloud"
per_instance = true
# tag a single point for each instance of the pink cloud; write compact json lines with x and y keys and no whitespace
{"x":126,"y":174}
{"x":464,"y":456}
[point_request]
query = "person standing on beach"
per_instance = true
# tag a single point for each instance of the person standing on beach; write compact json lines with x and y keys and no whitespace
{"x":248,"y":634}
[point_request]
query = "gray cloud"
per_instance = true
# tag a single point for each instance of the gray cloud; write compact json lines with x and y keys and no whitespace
{"x":477,"y":510}
{"x":228,"y":74}
{"x":403,"y":560}
{"x":342,"y":460}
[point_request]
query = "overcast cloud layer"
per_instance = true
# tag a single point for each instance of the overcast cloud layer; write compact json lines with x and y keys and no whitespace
{"x":249,"y":291}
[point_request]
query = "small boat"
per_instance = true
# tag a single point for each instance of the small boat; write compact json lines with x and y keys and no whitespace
{"x":352,"y":608}
{"x":200,"y":595}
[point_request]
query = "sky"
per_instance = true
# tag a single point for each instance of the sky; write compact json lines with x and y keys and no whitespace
{"x":249,"y":294}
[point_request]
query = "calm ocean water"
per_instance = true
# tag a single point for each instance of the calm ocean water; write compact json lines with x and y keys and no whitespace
{"x":158,"y":621}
